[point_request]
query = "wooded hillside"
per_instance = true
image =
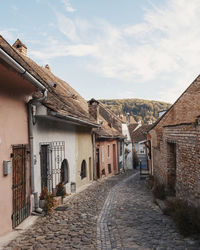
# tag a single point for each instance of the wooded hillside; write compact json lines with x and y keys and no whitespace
{"x":140,"y":109}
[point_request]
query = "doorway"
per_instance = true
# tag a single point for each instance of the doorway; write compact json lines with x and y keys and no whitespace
{"x":21,"y":202}
{"x":171,"y":164}
{"x":97,"y":163}
{"x":114,"y":159}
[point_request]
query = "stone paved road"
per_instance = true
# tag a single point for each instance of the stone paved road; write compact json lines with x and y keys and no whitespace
{"x":116,"y":213}
{"x":130,"y":220}
{"x":73,"y":225}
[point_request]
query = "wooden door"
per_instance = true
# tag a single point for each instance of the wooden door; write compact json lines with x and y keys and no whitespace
{"x":97,"y":163}
{"x":21,"y":204}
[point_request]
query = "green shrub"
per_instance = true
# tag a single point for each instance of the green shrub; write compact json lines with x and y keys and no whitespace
{"x":186,"y":217}
{"x":60,"y":190}
{"x":49,"y":204}
{"x":159,"y":191}
{"x":150,"y":181}
{"x":44,"y":193}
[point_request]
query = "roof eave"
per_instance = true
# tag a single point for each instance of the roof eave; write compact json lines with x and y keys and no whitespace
{"x":79,"y":121}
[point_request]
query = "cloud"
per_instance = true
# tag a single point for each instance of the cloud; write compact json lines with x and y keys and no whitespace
{"x":9,"y":34}
{"x":67,"y":27}
{"x":14,"y":7}
{"x":53,"y":48}
{"x":68,"y":6}
{"x":163,"y":48}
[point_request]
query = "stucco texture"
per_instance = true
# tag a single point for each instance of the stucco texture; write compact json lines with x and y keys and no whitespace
{"x":84,"y":151}
{"x":49,"y":131}
{"x":14,"y":130}
{"x":106,"y":158}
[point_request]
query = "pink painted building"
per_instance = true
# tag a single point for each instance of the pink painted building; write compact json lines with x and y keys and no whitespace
{"x":107,"y":138}
{"x":15,"y":184}
{"x":106,"y":157}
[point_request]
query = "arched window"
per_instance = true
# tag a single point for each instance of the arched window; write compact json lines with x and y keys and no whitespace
{"x":64,"y":171}
{"x":83,"y":169}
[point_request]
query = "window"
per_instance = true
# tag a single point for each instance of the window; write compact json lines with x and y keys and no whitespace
{"x":102,"y":154}
{"x":83,"y":169}
{"x":142,"y":150}
{"x":109,"y":168}
{"x":64,"y":171}
{"x":108,"y":150}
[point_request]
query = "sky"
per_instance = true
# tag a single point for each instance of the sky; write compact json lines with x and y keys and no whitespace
{"x":107,"y":49}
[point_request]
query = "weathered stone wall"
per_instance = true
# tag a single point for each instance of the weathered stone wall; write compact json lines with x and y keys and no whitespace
{"x":186,"y":141}
{"x":169,"y":131}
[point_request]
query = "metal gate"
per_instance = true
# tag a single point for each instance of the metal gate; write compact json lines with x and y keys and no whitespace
{"x":52,"y":155}
{"x":21,"y":204}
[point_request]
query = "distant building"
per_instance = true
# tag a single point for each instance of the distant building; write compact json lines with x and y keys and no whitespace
{"x":139,"y":139}
{"x":161,"y":113}
{"x":109,"y":157}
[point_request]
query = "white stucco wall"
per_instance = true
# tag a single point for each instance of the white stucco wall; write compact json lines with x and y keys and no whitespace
{"x":139,"y":147}
{"x":142,"y":156}
{"x":125,"y":131}
{"x":129,"y":158}
{"x":120,"y":157}
{"x":45,"y":131}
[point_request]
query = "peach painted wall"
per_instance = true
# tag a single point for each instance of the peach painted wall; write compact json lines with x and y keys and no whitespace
{"x":13,"y":131}
{"x":106,"y":158}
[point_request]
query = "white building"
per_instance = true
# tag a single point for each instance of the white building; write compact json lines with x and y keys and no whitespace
{"x":128,"y":148}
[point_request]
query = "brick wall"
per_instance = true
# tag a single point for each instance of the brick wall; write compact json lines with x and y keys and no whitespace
{"x":179,"y":126}
{"x":184,"y":110}
{"x":184,"y":163}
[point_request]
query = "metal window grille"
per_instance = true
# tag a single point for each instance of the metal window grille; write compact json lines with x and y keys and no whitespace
{"x":51,"y":156}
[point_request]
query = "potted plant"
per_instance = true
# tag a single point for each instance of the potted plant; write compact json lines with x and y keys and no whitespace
{"x":60,"y":193}
{"x":49,"y":204}
{"x":43,"y":197}
{"x":60,"y":190}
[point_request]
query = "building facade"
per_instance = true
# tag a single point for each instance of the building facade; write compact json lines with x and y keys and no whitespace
{"x":174,"y":147}
{"x":15,"y":154}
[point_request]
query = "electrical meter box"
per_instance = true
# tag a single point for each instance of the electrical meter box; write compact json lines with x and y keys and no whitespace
{"x":6,"y":167}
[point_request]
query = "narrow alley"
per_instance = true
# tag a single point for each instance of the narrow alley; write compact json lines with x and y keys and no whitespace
{"x":124,"y":218}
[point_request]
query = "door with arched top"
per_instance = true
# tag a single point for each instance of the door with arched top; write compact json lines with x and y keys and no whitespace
{"x":65,"y":171}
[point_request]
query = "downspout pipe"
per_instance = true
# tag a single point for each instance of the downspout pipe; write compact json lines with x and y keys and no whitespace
{"x":31,"y":123}
{"x":27,"y":76}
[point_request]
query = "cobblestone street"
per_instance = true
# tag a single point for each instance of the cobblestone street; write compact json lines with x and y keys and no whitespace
{"x":124,"y":218}
{"x":130,"y":220}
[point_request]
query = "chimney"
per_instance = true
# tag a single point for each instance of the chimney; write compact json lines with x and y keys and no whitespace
{"x":18,"y":45}
{"x":47,"y":67}
{"x":93,"y":108}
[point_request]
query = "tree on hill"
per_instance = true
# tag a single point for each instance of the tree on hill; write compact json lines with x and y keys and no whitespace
{"x":144,"y":110}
